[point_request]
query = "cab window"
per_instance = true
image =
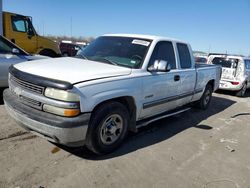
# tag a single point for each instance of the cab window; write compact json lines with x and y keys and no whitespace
{"x":22,"y":24}
{"x":184,"y":55}
{"x":164,"y":51}
{"x":19,"y":24}
{"x":4,"y":47}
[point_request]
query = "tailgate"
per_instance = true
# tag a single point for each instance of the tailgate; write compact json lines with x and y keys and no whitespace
{"x":228,"y":73}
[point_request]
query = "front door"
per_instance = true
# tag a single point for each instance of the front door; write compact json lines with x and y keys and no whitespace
{"x":23,"y":33}
{"x":160,"y":89}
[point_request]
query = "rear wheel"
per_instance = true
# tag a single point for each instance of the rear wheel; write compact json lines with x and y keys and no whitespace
{"x":108,"y":128}
{"x":205,"y":100}
{"x":1,"y":95}
{"x":242,"y":92}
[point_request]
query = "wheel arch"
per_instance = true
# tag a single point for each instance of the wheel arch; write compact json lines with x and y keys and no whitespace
{"x":48,"y":51}
{"x":212,"y":83}
{"x":129,"y":103}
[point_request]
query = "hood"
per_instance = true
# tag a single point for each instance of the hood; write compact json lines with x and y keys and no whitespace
{"x":72,"y":70}
{"x":36,"y":57}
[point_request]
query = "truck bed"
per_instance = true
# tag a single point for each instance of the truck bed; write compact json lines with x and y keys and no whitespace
{"x":203,"y":65}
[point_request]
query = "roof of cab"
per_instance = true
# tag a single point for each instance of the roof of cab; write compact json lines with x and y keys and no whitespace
{"x":233,"y":56}
{"x":140,"y":36}
{"x":14,"y":14}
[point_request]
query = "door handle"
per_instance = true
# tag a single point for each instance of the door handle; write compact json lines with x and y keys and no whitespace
{"x":177,"y":78}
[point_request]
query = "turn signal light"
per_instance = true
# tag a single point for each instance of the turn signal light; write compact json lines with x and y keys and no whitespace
{"x":61,"y":111}
{"x":71,"y":112}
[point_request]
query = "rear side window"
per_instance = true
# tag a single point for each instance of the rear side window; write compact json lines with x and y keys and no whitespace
{"x":247,"y":62}
{"x":226,"y":62}
{"x":164,"y":51}
{"x":184,"y":55}
{"x":4,"y":47}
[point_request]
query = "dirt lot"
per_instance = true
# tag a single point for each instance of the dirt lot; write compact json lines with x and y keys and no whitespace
{"x":195,"y":149}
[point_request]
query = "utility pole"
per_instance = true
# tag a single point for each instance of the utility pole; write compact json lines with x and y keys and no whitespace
{"x":1,"y":17}
{"x":209,"y":49}
{"x":43,"y":28}
{"x":71,"y":27}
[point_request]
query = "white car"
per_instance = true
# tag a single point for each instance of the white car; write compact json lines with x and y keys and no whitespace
{"x":117,"y":84}
{"x":235,"y":72}
{"x":11,"y":54}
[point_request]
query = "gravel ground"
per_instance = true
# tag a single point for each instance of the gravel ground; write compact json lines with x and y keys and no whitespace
{"x":194,"y":149}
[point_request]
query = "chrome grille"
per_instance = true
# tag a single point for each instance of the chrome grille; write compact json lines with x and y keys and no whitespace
{"x":27,"y":85}
{"x":31,"y":102}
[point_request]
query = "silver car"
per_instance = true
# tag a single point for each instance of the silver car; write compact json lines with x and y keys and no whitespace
{"x":11,"y":54}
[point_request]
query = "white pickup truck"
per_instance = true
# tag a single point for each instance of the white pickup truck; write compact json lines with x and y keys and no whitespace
{"x":117,"y":84}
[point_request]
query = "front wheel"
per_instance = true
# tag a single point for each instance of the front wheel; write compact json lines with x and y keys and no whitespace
{"x":242,"y":92}
{"x":205,"y":99}
{"x":108,"y":128}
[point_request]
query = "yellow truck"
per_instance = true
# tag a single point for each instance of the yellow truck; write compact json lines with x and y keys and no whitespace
{"x":19,"y":29}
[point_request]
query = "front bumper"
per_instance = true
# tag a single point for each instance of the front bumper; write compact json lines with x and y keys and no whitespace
{"x":227,"y":85}
{"x":67,"y":131}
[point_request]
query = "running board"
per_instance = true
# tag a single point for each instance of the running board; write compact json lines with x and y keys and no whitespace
{"x":145,"y":122}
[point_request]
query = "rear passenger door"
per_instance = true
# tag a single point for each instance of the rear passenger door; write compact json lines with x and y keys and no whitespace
{"x":187,"y":74}
{"x":160,"y":89}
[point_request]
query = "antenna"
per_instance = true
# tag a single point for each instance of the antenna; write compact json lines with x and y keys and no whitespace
{"x":43,"y":28}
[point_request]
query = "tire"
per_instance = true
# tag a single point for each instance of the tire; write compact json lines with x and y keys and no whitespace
{"x":108,"y":128}
{"x":1,"y":95}
{"x":47,"y":52}
{"x":206,"y":97}
{"x":242,"y":92}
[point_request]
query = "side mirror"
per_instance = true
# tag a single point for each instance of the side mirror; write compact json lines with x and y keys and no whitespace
{"x":160,"y":66}
{"x":15,"y":51}
{"x":30,"y":33}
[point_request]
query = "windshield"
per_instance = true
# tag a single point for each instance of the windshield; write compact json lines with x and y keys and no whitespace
{"x":6,"y":47}
{"x":121,"y":51}
{"x":226,"y":62}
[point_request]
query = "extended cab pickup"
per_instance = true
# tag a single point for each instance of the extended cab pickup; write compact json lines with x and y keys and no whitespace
{"x":116,"y":84}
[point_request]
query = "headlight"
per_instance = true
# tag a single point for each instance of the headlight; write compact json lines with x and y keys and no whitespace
{"x":61,"y":95}
{"x":61,"y":111}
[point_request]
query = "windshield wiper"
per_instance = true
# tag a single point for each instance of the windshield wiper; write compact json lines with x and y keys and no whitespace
{"x":81,"y":56}
{"x":108,"y":61}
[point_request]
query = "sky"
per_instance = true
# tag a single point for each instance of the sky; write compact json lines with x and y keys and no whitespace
{"x":208,"y":25}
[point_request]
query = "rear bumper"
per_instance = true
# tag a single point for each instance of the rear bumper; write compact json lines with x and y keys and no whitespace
{"x":67,"y":131}
{"x":227,"y":85}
